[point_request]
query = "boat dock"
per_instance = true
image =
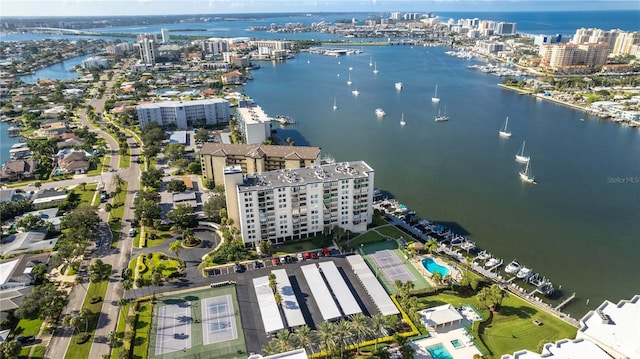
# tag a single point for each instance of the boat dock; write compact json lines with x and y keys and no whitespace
{"x":565,"y":302}
{"x":426,"y":230}
{"x":284,"y":120}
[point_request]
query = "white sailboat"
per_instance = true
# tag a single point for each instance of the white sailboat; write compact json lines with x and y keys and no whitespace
{"x":402,"y":123}
{"x":520,"y":157}
{"x":350,"y":68}
{"x":503,"y":131}
{"x":349,"y":80}
{"x":335,"y":106}
{"x":370,"y":61}
{"x":435,"y":96}
{"x":526,"y":175}
{"x":399,"y":86}
{"x":355,"y":92}
{"x":375,"y":68}
{"x":442,"y":117}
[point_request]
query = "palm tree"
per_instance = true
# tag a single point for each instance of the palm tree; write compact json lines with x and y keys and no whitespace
{"x":326,"y":337}
{"x":437,"y":277}
{"x":175,"y":248}
{"x":431,"y":245}
{"x":449,"y":280}
{"x":377,"y":327}
{"x":118,"y":181}
{"x":342,"y":333}
{"x":305,"y":337}
{"x":272,"y":282}
{"x":278,"y":298}
{"x":361,"y":328}
{"x":282,"y":341}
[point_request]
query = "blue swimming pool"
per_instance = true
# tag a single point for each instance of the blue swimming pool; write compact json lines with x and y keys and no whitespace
{"x":431,"y":266}
{"x":439,"y":352}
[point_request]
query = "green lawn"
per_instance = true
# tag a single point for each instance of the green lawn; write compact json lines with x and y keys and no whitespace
{"x":367,"y":238}
{"x":38,"y":352}
{"x":143,"y":327}
{"x":302,"y":245}
{"x":512,"y":328}
{"x":125,"y":160}
{"x":115,"y":216}
{"x":87,"y":195}
{"x":395,"y":233}
{"x":81,"y":351}
{"x":120,"y":331}
{"x":170,"y":264}
{"x":24,"y":353}
{"x":28,"y":327}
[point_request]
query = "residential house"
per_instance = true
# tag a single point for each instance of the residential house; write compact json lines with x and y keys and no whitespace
{"x":50,"y":215}
{"x":52,"y":128}
{"x":26,"y":242}
{"x":73,"y":162}
{"x":232,"y":77}
{"x":70,"y":142}
{"x":48,"y":197}
{"x":7,"y":195}
{"x":17,"y":170}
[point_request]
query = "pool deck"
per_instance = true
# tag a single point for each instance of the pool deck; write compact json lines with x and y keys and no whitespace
{"x":417,"y":263}
{"x":444,"y":336}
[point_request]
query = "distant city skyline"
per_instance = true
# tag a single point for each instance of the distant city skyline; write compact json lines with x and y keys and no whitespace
{"x":68,"y":8}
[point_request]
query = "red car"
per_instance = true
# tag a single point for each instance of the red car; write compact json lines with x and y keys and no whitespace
{"x":276,"y":261}
{"x":313,"y":255}
{"x":306,"y":255}
{"x":325,"y":251}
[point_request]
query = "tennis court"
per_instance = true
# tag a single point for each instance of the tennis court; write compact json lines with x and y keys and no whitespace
{"x":174,"y":328}
{"x":218,"y":320}
{"x":391,"y":266}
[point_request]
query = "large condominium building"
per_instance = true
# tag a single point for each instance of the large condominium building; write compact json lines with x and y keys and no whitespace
{"x":147,"y":44}
{"x":254,"y":124}
{"x":184,"y":114}
{"x":214,"y":157}
{"x":290,"y":204}
{"x":215,"y":46}
{"x":561,"y":56}
{"x":627,"y":43}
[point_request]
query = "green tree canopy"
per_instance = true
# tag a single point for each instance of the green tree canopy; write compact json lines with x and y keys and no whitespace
{"x":183,"y":216}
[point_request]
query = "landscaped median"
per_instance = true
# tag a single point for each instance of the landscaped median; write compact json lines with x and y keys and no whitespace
{"x":81,"y":342}
{"x":153,"y":268}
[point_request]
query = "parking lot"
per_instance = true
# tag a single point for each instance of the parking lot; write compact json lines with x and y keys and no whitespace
{"x":275,"y":261}
{"x":253,"y":328}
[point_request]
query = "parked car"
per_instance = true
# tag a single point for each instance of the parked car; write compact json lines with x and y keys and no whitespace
{"x":238,"y":268}
{"x":300,"y":257}
{"x":313,"y":255}
{"x":306,"y":255}
{"x":276,"y":261}
{"x":257,"y":264}
{"x":326,"y":252}
{"x":26,"y":339}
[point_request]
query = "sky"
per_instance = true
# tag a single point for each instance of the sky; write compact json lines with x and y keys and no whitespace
{"x":178,"y":7}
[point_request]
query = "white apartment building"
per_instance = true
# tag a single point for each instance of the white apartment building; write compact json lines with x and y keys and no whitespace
{"x":185,"y":114}
{"x":147,"y":44}
{"x":166,"y":37}
{"x":96,"y":61}
{"x":254,"y":124}
{"x":298,"y":203}
{"x":215,"y":46}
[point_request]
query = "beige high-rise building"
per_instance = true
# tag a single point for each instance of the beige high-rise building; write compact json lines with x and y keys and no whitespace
{"x":291,"y":204}
{"x":559,"y":56}
{"x":214,"y":157}
{"x":624,"y":43}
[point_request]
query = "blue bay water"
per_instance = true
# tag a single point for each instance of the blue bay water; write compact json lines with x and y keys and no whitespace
{"x":576,"y":226}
